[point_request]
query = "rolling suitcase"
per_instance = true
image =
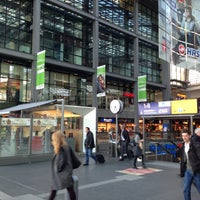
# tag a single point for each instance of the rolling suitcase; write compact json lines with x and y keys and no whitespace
{"x":100,"y":158}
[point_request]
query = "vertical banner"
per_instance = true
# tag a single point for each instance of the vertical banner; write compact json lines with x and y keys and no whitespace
{"x":142,"y":93}
{"x":40,"y":70}
{"x":101,"y":81}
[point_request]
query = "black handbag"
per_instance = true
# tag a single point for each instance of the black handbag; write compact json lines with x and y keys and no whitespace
{"x":137,"y":150}
{"x":75,"y":161}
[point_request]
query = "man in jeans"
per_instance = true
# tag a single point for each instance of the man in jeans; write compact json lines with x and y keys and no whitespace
{"x":191,"y":158}
{"x":89,"y":145}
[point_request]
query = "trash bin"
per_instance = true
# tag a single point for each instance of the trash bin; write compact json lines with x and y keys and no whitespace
{"x":112,"y":149}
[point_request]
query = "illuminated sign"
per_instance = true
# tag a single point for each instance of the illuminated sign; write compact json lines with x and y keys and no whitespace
{"x":107,"y":120}
{"x":128,"y":94}
{"x":155,"y":108}
{"x":186,"y":106}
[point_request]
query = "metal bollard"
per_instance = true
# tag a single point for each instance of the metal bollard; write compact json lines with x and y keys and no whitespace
{"x":75,"y":179}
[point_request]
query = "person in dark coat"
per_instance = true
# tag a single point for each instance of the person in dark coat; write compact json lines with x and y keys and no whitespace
{"x":190,"y":159}
{"x":89,"y":145}
{"x":124,"y":141}
{"x":138,"y":149}
{"x":61,"y":167}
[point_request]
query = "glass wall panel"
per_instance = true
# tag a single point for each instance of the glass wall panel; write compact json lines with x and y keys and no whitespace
{"x":14,"y":140}
{"x":74,"y":89}
{"x":148,"y":62}
{"x":86,"y":5}
{"x":15,"y":83}
{"x":148,"y":23}
{"x":15,"y":25}
{"x":116,"y":51}
{"x":117,"y":12}
{"x":118,"y":90}
{"x":66,"y":36}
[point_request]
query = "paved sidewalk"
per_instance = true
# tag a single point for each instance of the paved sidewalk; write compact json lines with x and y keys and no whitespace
{"x":113,"y":180}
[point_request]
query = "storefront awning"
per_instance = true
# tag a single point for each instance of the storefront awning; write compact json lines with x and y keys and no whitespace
{"x":25,"y":106}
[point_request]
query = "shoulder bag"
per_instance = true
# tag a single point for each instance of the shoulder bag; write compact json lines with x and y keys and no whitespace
{"x":75,"y":161}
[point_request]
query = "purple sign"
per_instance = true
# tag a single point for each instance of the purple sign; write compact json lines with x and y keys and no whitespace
{"x":155,"y":108}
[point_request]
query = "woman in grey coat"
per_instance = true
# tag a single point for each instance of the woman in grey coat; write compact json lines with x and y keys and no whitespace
{"x":138,"y":149}
{"x":61,"y":167}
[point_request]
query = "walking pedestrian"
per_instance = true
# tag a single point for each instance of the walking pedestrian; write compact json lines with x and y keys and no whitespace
{"x":138,"y":149}
{"x":124,"y":141}
{"x":89,"y":145}
{"x":61,"y":167}
{"x":191,"y":159}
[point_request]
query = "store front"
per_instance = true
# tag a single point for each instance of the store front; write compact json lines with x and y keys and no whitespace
{"x":26,"y":129}
{"x":167,"y":116}
{"x":162,"y":122}
{"x":106,"y":125}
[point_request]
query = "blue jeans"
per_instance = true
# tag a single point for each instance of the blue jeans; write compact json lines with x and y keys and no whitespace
{"x":88,"y":153}
{"x":188,"y":180}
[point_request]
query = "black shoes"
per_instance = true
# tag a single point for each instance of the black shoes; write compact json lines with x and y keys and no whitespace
{"x":85,"y":164}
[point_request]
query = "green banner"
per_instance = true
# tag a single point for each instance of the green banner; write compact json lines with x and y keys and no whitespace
{"x":142,"y":92}
{"x":40,"y":70}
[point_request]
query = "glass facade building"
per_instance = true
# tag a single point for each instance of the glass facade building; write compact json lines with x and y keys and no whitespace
{"x":78,"y":36}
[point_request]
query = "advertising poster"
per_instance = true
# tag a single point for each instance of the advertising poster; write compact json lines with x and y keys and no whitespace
{"x":179,"y":32}
{"x":155,"y":108}
{"x":188,"y":106}
{"x":101,"y":81}
{"x":15,"y":122}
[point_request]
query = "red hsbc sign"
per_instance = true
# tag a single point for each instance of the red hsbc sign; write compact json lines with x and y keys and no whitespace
{"x":181,"y":49}
{"x":128,"y":94}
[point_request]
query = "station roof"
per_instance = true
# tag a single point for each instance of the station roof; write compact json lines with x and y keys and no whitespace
{"x":25,"y":106}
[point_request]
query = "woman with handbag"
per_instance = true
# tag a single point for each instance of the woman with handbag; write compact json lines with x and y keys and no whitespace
{"x":62,"y":168}
{"x":138,"y":149}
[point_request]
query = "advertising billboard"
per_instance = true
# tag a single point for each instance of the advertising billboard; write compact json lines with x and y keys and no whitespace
{"x":176,"y":107}
{"x":101,"y":81}
{"x":155,"y":108}
{"x":188,"y":106}
{"x":179,"y":32}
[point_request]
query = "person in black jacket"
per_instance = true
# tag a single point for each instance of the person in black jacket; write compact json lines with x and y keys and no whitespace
{"x":89,"y":145}
{"x":62,"y":169}
{"x":138,"y":149}
{"x":190,"y":160}
{"x":124,"y":141}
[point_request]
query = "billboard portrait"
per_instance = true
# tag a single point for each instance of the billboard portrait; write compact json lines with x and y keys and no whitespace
{"x":180,"y":33}
{"x":101,"y":81}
